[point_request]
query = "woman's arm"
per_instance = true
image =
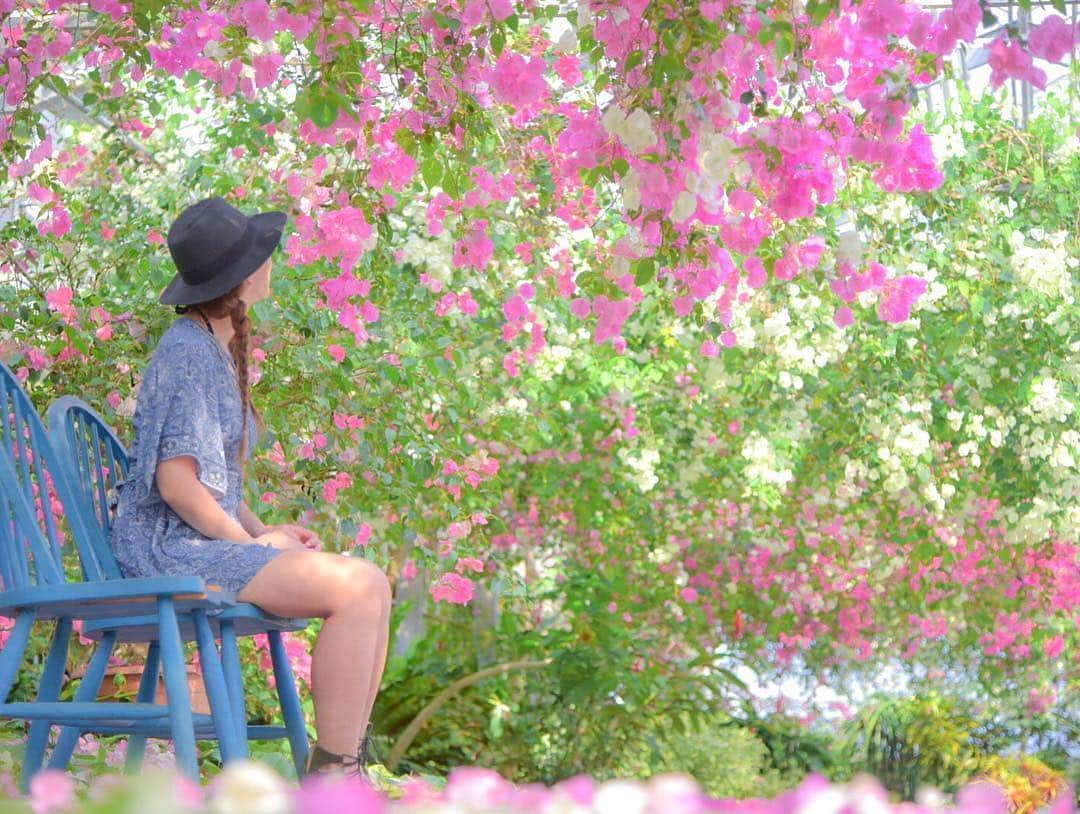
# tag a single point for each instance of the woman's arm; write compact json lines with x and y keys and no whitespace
{"x":252,"y":525}
{"x":180,"y":487}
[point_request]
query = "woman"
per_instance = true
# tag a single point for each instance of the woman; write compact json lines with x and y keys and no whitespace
{"x":181,"y":509}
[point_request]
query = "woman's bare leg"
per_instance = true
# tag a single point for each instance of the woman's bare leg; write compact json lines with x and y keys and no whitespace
{"x":381,"y":646}
{"x":353,"y":596}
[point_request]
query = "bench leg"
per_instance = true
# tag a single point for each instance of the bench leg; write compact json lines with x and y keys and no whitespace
{"x":88,"y":691}
{"x":147,"y":693}
{"x":180,"y":716}
{"x":291,"y":710}
{"x":217,"y":691}
{"x":52,"y":677}
{"x":230,"y":663}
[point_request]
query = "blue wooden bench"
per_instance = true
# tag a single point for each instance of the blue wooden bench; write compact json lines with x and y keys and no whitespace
{"x":99,"y":461}
{"x":36,"y":585}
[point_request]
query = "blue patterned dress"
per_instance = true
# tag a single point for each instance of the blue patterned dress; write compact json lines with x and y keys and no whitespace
{"x":188,"y":404}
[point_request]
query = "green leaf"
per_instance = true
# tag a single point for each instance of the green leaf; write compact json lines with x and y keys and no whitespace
{"x":644,"y":270}
{"x":785,"y":44}
{"x":634,"y":60}
{"x":407,"y":141}
{"x":145,"y":13}
{"x":450,"y":184}
{"x":432,"y":171}
{"x":324,"y":111}
{"x":498,"y":41}
{"x":818,"y":10}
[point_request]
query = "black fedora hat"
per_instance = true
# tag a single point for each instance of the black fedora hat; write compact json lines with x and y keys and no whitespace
{"x":216,"y":247}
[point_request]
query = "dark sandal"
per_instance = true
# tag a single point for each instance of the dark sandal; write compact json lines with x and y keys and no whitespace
{"x":318,"y":758}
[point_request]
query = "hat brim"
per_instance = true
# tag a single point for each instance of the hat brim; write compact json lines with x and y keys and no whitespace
{"x":269,"y":227}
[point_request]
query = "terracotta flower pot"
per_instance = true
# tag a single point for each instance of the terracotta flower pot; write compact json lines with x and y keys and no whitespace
{"x":127,"y":688}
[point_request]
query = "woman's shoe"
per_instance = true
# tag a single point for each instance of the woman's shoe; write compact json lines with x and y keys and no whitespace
{"x":320,"y":759}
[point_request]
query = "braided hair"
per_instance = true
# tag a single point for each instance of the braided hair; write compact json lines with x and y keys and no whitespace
{"x":231,"y":305}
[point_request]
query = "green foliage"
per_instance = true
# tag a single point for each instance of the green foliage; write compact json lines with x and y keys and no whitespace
{"x":911,"y":742}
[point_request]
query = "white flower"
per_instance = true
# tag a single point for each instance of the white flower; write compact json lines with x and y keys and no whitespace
{"x":635,"y":129}
{"x":620,"y":797}
{"x":715,"y":157}
{"x":518,"y":405}
{"x":947,"y":143}
{"x":584,"y":13}
{"x":248,"y":787}
{"x":641,"y":466}
{"x":568,"y":42}
{"x":631,"y":190}
{"x":614,"y":119}
{"x":638,"y":134}
{"x":777,"y":324}
{"x":685,"y":206}
{"x":1047,"y":271}
{"x":896,"y":480}
{"x":897,"y":209}
{"x":1047,"y":401}
{"x":849,"y":246}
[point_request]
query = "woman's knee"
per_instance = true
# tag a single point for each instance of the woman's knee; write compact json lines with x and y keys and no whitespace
{"x":362,"y":587}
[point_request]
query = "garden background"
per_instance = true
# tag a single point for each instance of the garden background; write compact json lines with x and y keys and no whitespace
{"x":660,"y":353}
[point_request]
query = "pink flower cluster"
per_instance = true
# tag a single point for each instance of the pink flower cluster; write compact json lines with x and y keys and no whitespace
{"x":898,"y":295}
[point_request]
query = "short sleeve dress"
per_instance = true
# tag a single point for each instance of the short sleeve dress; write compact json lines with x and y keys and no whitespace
{"x":188,"y":404}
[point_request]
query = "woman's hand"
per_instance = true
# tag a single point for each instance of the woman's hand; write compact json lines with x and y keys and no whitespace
{"x":305,"y":537}
{"x":277,"y":538}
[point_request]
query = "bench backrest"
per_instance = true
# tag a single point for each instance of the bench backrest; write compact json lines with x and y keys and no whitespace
{"x":36,"y":493}
{"x":98,"y":462}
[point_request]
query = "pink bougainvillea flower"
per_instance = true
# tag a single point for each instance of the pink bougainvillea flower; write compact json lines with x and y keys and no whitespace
{"x":1054,"y":647}
{"x":1052,"y":39}
{"x":453,"y":588}
{"x":843,"y":317}
{"x":610,"y":316}
{"x":344,"y":232}
{"x":475,"y":249}
{"x":1008,"y":60}
{"x":266,"y":69}
{"x":52,"y":790}
{"x":518,"y":81}
{"x":469,"y":564}
{"x":321,"y":794}
{"x":898,"y":296}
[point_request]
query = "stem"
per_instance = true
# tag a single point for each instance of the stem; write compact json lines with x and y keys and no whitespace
{"x":412,"y":730}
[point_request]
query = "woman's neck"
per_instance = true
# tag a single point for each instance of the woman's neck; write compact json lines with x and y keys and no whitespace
{"x":223,"y":327}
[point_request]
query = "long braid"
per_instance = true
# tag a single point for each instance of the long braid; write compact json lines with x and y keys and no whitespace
{"x":235,"y":308}
{"x":238,"y":345}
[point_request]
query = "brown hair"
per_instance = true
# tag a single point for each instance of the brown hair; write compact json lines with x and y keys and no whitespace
{"x":230,"y":305}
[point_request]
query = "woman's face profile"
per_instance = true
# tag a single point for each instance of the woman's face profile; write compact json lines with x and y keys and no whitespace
{"x":257,"y":286}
